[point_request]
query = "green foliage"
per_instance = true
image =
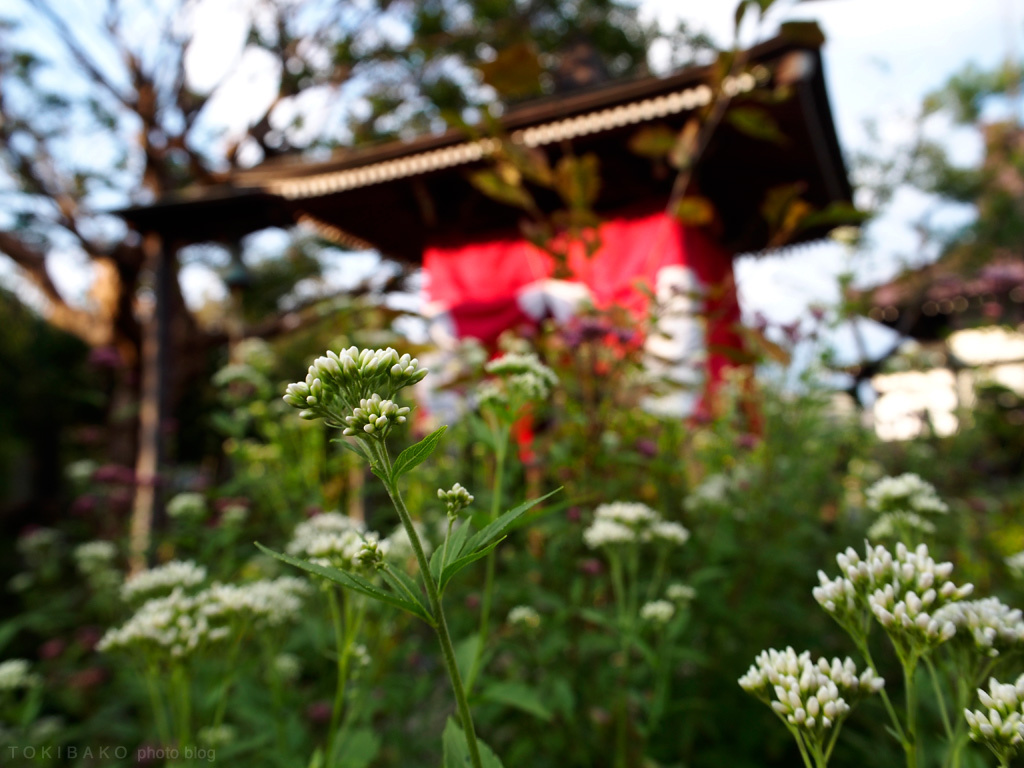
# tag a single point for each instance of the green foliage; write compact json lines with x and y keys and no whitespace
{"x":765,"y":512}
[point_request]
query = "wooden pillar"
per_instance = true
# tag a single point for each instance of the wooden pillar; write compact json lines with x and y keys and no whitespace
{"x":155,"y":322}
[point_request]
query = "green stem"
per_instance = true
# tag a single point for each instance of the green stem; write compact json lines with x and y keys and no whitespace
{"x":618,"y":588}
{"x":661,"y":681}
{"x":622,"y":731}
{"x":800,"y":743}
{"x":447,"y":538}
{"x":501,"y":439}
{"x":632,"y":582}
{"x":159,"y":715}
{"x":832,"y":742}
{"x":862,"y":646}
{"x":341,"y":650}
{"x":229,"y":679}
{"x":485,"y":613}
{"x":659,"y":574}
{"x":910,"y":744}
{"x":625,"y":619}
{"x":946,"y":724}
{"x":276,"y":692}
{"x":180,"y":682}
{"x":380,"y":453}
{"x":820,"y":761}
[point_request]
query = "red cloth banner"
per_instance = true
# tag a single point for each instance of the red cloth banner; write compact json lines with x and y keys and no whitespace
{"x":479,"y":283}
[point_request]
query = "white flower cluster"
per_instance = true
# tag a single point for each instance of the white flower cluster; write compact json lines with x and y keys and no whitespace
{"x":623,"y":522}
{"x":711,"y":492}
{"x":374,"y":417}
{"x":95,"y":561}
{"x":1001,"y":728}
{"x":239,"y":373}
{"x":38,"y":544}
{"x":255,"y":352}
{"x":456,"y":499}
{"x":336,"y":383}
{"x":1016,"y":564}
{"x":658,"y":612}
{"x":175,"y":625}
{"x":288,"y":666}
{"x":234,"y":515}
{"x":179,"y":624}
{"x":336,"y":540}
{"x":176,"y":574}
{"x":722,"y":491}
{"x":905,"y":493}
{"x":80,"y":471}
{"x":95,"y":556}
{"x":398,"y":546}
{"x":215,"y":736}
{"x":903,"y":592}
{"x":524,"y":616}
{"x":522,"y":378}
{"x":989,"y":624}
{"x":266,"y":602}
{"x":187,"y":506}
{"x":891,"y":525}
{"x":812,"y":695}
{"x":361,"y":656}
{"x":330,"y":538}
{"x":16,"y":673}
{"x":680,"y":593}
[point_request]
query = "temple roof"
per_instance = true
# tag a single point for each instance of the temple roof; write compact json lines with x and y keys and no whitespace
{"x":930,"y":302}
{"x":400,"y":196}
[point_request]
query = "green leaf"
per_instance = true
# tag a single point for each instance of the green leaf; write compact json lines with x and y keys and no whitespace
{"x":351,"y":581}
{"x":456,"y":544}
{"x":694,"y":211}
{"x":519,"y":696}
{"x":741,"y":11}
{"x":9,"y":630}
{"x":352,"y":445}
{"x":455,"y":566}
{"x":355,"y":748}
{"x":458,"y":541}
{"x":484,"y":542}
{"x":757,"y":123}
{"x":500,"y":527}
{"x":456,"y":751}
{"x":563,"y":700}
{"x":578,"y":180}
{"x":436,"y":564}
{"x":805,"y":33}
{"x":835,"y":214}
{"x":502,"y":190}
{"x":402,"y":584}
{"x":465,"y":654}
{"x":652,"y":141}
{"x":416,"y":454}
{"x":596,"y":617}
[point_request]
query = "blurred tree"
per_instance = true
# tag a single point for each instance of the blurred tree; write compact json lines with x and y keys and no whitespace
{"x":974,"y":272}
{"x":46,"y":383}
{"x":121,"y":103}
{"x":990,"y":104}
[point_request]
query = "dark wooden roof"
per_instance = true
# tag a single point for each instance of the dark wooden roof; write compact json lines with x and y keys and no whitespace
{"x":930,"y":302}
{"x":399,"y":196}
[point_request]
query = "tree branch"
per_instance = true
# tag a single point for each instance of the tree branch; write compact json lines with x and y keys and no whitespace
{"x":79,"y":54}
{"x":32,"y":262}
